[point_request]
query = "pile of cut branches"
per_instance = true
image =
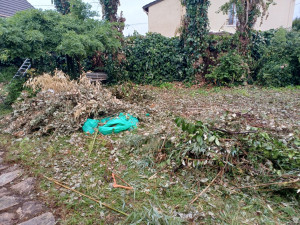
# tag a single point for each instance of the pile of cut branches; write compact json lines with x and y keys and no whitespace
{"x":234,"y":144}
{"x":61,"y":105}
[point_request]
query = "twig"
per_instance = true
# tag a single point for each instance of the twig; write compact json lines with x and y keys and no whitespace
{"x":89,"y":197}
{"x":205,"y":189}
{"x":268,"y":184}
{"x":163,"y":144}
{"x":233,"y":132}
{"x":115,"y":185}
{"x":92,"y":147}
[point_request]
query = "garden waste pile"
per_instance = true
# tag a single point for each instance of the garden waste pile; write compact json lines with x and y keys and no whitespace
{"x":62,"y":106}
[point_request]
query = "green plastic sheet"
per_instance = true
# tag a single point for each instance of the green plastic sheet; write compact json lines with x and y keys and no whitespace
{"x":111,"y":125}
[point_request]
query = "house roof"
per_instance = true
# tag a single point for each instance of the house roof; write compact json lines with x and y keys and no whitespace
{"x":10,"y":7}
{"x":146,"y":7}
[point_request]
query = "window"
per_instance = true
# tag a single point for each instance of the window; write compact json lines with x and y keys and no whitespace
{"x":232,"y":15}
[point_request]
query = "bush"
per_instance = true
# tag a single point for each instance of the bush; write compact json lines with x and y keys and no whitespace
{"x":296,"y":24}
{"x":13,"y":90}
{"x":52,"y":40}
{"x":230,"y":70}
{"x":7,"y":73}
{"x":153,"y":59}
{"x":280,"y":62}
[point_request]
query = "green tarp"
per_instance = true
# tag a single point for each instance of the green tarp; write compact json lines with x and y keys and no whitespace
{"x":111,"y":125}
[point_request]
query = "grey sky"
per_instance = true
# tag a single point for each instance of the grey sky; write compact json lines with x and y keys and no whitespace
{"x":136,"y":18}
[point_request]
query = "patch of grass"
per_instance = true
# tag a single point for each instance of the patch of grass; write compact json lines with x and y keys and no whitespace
{"x":167,"y":85}
{"x":7,"y":73}
{"x":153,"y":216}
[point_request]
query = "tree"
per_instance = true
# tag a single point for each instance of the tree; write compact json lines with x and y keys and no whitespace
{"x":110,"y":13}
{"x":81,"y":10}
{"x":296,"y":24}
{"x":247,"y":13}
{"x":62,"y":6}
{"x":110,"y":9}
{"x":194,"y":34}
{"x":52,"y":40}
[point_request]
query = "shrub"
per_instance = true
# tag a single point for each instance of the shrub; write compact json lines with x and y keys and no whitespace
{"x":296,"y":24}
{"x":13,"y":90}
{"x":153,"y":59}
{"x":7,"y":73}
{"x":52,"y":40}
{"x":280,"y":62}
{"x":230,"y":70}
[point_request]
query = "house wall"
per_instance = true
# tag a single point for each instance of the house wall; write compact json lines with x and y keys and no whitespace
{"x":165,"y":17}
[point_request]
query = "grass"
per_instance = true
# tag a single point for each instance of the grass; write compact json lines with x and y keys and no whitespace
{"x":160,"y":195}
{"x":159,"y":199}
{"x":7,"y":73}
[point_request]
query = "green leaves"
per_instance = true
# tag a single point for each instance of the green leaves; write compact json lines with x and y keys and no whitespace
{"x":53,"y":40}
{"x":279,"y":64}
{"x":231,"y":70}
{"x":195,"y":32}
{"x":200,"y":139}
{"x":154,"y":59}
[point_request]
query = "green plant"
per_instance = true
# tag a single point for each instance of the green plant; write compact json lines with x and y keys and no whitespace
{"x":231,"y":69}
{"x":296,"y":24}
{"x":7,"y":73}
{"x":62,"y":6}
{"x":247,"y":13}
{"x":14,"y":90}
{"x":283,"y":154}
{"x":194,"y":34}
{"x":153,"y":59}
{"x":52,"y":40}
{"x":197,"y":141}
{"x":203,"y":141}
{"x":167,"y":85}
{"x":280,"y":62}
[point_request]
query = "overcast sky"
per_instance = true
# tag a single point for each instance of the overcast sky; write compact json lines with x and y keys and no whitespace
{"x":136,"y":18}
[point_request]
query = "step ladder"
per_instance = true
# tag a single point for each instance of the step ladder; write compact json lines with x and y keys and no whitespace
{"x":23,"y":69}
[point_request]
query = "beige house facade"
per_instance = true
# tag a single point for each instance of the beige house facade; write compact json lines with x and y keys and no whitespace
{"x":165,"y":17}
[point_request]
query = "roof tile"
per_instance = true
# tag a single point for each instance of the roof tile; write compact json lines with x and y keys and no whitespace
{"x":10,"y":7}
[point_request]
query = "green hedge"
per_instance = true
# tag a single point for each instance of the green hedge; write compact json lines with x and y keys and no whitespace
{"x":154,"y":59}
{"x":280,"y":62}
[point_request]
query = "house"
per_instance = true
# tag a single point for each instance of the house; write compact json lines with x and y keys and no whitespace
{"x":9,"y":8}
{"x":165,"y":17}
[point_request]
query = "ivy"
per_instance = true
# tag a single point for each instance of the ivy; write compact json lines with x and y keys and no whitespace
{"x":247,"y":13}
{"x":195,"y":33}
{"x":62,"y":6}
{"x":110,"y":9}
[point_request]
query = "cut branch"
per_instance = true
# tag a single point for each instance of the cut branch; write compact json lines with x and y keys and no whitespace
{"x":89,"y":197}
{"x":234,"y":132}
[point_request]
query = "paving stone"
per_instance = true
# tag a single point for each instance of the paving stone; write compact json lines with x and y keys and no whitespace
{"x":4,"y":192}
{"x":44,"y":219}
{"x":31,"y":209}
{"x":1,"y":160}
{"x":1,"y":153}
{"x":8,"y":201}
{"x":9,"y":177}
{"x":24,"y":187}
{"x":7,"y":218}
{"x":3,"y":167}
{"x":12,"y":168}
